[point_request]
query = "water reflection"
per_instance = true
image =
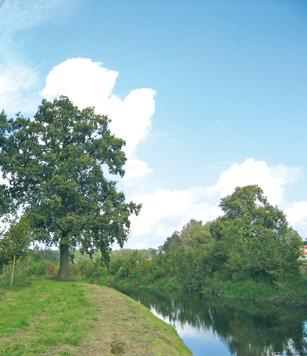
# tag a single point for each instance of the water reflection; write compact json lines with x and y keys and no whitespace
{"x":217,"y":327}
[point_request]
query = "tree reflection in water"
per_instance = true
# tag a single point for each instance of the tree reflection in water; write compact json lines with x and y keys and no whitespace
{"x":248,"y":328}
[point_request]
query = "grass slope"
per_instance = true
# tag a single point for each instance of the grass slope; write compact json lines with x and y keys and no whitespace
{"x":57,"y":318}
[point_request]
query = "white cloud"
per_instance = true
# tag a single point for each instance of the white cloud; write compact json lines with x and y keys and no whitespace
{"x":85,"y":82}
{"x":17,"y":85}
{"x":272,"y":179}
{"x":135,"y":170}
{"x":88,"y":83}
{"x":297,"y":216}
{"x":20,"y":15}
{"x":164,"y":211}
{"x":297,"y":212}
{"x":131,"y":117}
{"x":19,"y":81}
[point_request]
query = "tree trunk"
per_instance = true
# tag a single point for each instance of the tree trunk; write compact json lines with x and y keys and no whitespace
{"x":1,"y":267}
{"x":13,"y":271}
{"x":64,"y":262}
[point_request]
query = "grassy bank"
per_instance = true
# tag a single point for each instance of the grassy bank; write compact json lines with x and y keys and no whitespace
{"x":283,"y":292}
{"x":79,"y":319}
{"x":280,"y":293}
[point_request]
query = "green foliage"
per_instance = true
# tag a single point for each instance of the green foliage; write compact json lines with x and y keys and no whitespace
{"x":250,"y":247}
{"x":172,"y":242}
{"x":193,"y":234}
{"x":45,"y":255}
{"x":253,"y":239}
{"x":22,"y":279}
{"x":59,"y":166}
{"x":250,"y":252}
{"x":15,"y":242}
{"x":31,"y":266}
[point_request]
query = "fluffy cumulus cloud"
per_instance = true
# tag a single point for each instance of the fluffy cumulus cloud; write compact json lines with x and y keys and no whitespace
{"x":89,"y":83}
{"x":136,"y":170}
{"x":272,"y":179}
{"x":297,"y":216}
{"x":85,"y":82}
{"x":164,"y":211}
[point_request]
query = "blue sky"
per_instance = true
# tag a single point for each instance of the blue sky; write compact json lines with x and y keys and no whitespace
{"x":224,"y":105}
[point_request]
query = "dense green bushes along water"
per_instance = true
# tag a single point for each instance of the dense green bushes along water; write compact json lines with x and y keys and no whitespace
{"x":249,"y":252}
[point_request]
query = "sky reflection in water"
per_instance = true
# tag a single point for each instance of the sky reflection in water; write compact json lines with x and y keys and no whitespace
{"x":216,"y":327}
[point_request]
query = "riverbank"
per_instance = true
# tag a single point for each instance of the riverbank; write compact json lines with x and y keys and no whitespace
{"x":279,"y":293}
{"x":288,"y":293}
{"x":69,"y":318}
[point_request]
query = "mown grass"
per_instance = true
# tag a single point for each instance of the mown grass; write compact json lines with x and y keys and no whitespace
{"x":284,"y":292}
{"x":44,"y":318}
{"x":131,"y":328}
{"x":58,"y":318}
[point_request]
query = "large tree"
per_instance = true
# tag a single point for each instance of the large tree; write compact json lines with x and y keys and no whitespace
{"x":253,"y":238}
{"x":62,"y":166}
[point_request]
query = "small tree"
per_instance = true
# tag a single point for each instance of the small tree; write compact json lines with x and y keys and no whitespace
{"x":4,"y":260}
{"x":5,"y":206}
{"x":61,"y":166}
{"x":15,"y":244}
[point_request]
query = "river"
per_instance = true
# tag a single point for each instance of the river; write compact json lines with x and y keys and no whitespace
{"x":216,"y":327}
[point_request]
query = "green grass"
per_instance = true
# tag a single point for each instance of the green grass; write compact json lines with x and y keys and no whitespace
{"x":44,"y":317}
{"x":287,"y":291}
{"x":61,"y":318}
{"x":284,"y":292}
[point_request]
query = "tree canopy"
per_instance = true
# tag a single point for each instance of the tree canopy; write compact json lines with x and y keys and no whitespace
{"x":14,"y":243}
{"x":62,"y":166}
{"x":250,"y":245}
{"x":253,"y":237}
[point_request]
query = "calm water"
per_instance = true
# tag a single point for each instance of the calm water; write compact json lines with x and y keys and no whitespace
{"x":214,"y":327}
